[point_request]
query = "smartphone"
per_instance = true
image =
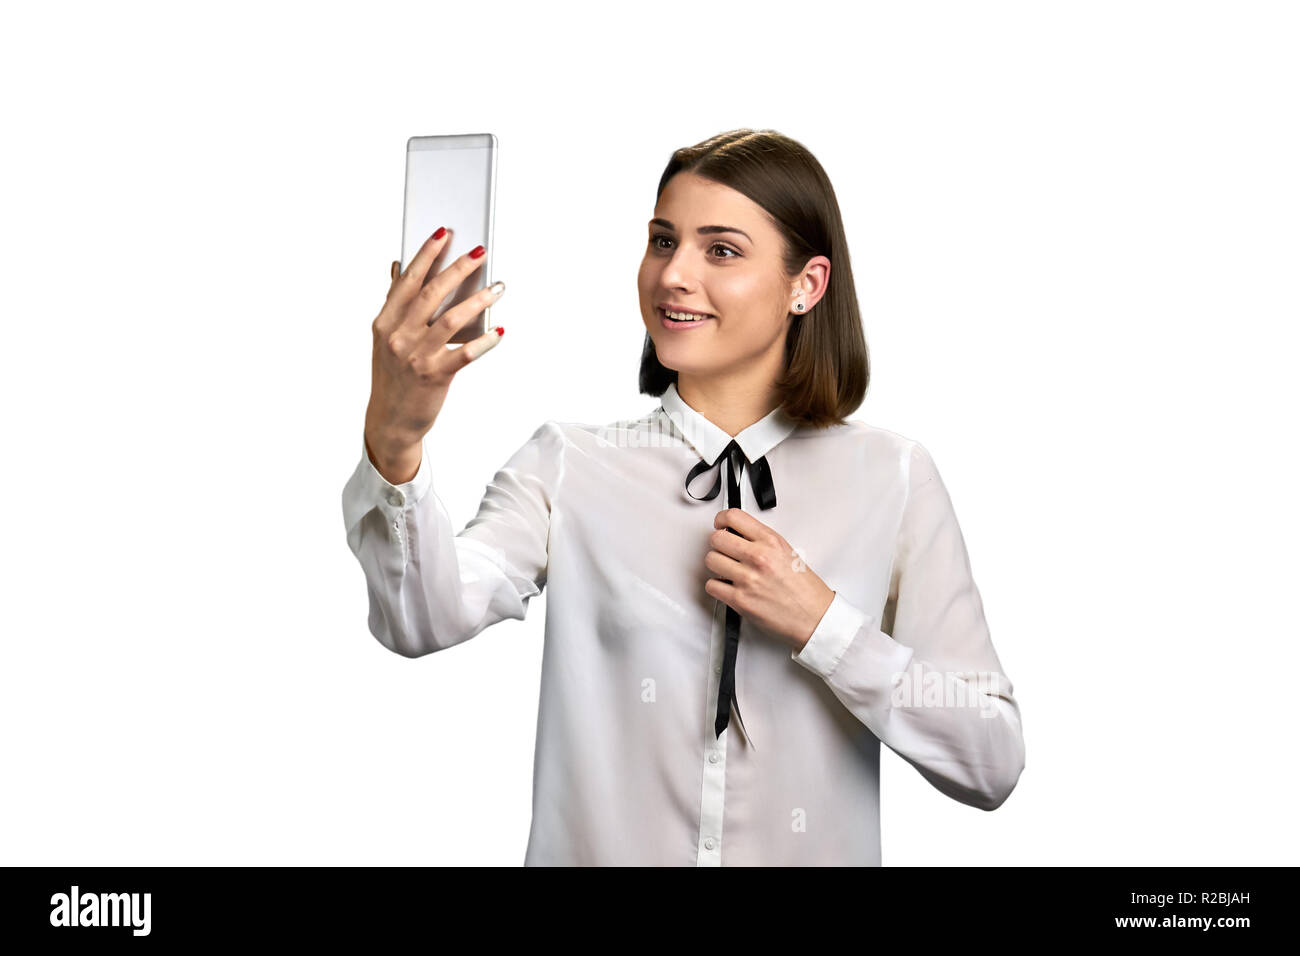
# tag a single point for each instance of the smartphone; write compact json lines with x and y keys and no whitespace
{"x":452,"y":181}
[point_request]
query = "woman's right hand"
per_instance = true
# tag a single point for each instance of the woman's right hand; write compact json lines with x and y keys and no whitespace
{"x":411,"y":368}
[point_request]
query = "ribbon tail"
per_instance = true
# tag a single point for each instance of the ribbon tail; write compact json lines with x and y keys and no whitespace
{"x":760,"y":478}
{"x":728,"y":699}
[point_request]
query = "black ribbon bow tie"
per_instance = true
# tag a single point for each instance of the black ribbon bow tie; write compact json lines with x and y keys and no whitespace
{"x":760,"y":478}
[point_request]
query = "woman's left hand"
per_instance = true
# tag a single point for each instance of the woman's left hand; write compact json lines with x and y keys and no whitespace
{"x":770,"y":583}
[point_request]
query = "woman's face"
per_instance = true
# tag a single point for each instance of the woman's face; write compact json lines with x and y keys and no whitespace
{"x":712,"y":250}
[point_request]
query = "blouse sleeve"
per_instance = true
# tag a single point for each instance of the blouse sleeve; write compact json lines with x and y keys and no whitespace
{"x":431,"y":588}
{"x":928,"y":683}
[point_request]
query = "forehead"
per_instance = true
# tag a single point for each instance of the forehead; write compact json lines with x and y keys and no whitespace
{"x":689,"y":200}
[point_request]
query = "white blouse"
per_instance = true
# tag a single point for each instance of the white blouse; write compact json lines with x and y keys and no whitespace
{"x":628,"y":770}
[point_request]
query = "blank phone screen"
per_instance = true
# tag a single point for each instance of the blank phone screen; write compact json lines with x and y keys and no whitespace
{"x":451,"y":181}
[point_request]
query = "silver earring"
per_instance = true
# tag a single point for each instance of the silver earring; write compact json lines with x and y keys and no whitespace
{"x":798,"y":306}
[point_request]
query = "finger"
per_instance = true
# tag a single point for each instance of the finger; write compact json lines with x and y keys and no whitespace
{"x":422,"y":306}
{"x":729,"y":569}
{"x":476,"y":347}
{"x":409,"y":282}
{"x":395,"y":271}
{"x":732,"y":545}
{"x":461,"y":314}
{"x":724,"y":592}
{"x":450,"y":361}
{"x":742,"y":522}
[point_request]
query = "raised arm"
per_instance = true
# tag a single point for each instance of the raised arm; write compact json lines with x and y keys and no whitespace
{"x":431,"y":588}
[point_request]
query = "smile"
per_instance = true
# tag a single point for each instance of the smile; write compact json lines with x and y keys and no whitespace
{"x":684,"y":323}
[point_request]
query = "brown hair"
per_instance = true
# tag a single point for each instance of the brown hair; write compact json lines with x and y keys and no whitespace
{"x":827,"y":363}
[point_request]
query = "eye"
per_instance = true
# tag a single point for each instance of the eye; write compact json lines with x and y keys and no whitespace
{"x":654,"y":243}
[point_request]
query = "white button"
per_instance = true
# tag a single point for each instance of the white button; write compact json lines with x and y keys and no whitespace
{"x":713,"y":757}
{"x":708,"y":844}
{"x":397,"y":526}
{"x":717,"y":668}
{"x":395,"y":498}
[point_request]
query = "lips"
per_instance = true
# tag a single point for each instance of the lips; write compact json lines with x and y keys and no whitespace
{"x":682,"y":326}
{"x":671,"y":307}
{"x":663,"y":314}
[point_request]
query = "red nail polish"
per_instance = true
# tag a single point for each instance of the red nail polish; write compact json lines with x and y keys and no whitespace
{"x":442,"y":231}
{"x":477,"y":252}
{"x":501,"y":330}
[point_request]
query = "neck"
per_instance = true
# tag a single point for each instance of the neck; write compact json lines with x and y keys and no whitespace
{"x":730,"y":403}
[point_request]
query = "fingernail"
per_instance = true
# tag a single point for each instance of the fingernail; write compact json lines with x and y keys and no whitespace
{"x":477,"y":252}
{"x":442,"y":231}
{"x":496,"y":288}
{"x":501,"y":330}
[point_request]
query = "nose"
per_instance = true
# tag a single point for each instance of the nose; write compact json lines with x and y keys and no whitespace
{"x":676,"y":272}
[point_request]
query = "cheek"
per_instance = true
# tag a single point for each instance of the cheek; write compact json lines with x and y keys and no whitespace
{"x":646,"y":275}
{"x":746,"y":292}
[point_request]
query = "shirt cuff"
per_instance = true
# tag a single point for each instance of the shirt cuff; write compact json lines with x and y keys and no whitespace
{"x":834,"y":633}
{"x":369,"y":489}
{"x":407,"y":493}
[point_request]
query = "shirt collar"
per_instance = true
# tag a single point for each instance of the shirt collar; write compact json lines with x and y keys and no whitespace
{"x":709,"y":441}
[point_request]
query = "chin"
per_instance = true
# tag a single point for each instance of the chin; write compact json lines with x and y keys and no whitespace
{"x":682,"y":362}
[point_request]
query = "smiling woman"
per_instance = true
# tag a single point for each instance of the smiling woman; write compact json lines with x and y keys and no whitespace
{"x":745,"y":230}
{"x":835,"y":557}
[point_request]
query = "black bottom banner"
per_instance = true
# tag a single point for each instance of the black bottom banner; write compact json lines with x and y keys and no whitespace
{"x":966,"y":906}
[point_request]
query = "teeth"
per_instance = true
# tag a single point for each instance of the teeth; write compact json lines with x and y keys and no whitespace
{"x":684,"y":316}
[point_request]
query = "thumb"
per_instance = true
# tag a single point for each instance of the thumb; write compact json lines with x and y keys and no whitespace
{"x":395,"y":270}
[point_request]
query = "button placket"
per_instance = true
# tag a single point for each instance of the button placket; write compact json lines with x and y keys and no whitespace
{"x":714,"y":768}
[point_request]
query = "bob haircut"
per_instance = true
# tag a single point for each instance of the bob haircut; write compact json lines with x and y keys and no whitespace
{"x":827,"y":367}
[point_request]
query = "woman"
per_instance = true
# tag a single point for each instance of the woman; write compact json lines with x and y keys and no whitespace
{"x":719,"y":670}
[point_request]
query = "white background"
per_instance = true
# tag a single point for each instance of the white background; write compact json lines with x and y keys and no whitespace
{"x":1074,"y":230}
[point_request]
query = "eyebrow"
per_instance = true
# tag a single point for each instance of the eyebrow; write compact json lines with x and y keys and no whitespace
{"x":703,"y":230}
